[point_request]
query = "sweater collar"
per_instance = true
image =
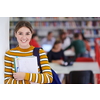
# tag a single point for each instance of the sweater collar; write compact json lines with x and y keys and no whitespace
{"x":25,"y":50}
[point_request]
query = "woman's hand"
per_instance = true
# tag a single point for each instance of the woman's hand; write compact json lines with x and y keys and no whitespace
{"x":19,"y":75}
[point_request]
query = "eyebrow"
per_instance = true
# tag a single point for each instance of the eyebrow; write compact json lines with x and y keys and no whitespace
{"x":22,"y":32}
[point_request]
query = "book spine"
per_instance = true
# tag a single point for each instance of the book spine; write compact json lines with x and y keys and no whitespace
{"x":15,"y":64}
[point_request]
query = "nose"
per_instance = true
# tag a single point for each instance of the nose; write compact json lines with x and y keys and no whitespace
{"x":24,"y":36}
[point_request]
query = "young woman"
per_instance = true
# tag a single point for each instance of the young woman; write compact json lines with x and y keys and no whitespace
{"x":56,"y":55}
{"x":23,"y":32}
{"x":63,"y":36}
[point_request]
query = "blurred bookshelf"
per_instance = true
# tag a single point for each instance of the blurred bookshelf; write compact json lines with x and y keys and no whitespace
{"x":89,"y":26}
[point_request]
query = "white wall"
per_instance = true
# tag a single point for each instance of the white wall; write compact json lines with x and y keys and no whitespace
{"x":4,"y":44}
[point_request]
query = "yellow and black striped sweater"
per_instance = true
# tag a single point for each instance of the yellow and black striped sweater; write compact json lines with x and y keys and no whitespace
{"x":42,"y":78}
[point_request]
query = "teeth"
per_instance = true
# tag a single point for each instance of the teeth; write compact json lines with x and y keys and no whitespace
{"x":23,"y":40}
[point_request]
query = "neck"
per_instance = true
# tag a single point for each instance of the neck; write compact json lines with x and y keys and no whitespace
{"x":49,"y":39}
{"x":24,"y":47}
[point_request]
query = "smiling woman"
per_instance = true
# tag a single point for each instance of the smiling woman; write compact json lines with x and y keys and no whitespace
{"x":23,"y":33}
{"x":23,"y":36}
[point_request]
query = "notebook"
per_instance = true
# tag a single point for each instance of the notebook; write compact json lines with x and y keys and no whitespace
{"x":26,"y":64}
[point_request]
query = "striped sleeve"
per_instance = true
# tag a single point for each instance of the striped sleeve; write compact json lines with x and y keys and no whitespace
{"x":46,"y":75}
{"x":9,"y":70}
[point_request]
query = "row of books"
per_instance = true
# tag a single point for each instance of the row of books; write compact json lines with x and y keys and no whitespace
{"x":87,"y":32}
{"x":94,"y":32}
{"x":67,"y":24}
{"x":53,"y":18}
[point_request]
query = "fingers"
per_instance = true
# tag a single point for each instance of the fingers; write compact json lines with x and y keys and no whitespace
{"x":15,"y":75}
{"x":19,"y":75}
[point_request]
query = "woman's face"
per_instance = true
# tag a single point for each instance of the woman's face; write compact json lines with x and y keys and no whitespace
{"x":63,"y":36}
{"x":23,"y":36}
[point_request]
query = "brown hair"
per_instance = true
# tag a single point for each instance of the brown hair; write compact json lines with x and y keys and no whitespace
{"x":23,"y":24}
{"x":76,"y":35}
{"x":49,"y":33}
{"x":56,"y":42}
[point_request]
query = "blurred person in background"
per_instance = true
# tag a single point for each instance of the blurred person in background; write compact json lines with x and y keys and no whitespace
{"x":63,"y":36}
{"x":79,"y":46}
{"x":49,"y":39}
{"x":56,"y":55}
{"x":34,"y":40}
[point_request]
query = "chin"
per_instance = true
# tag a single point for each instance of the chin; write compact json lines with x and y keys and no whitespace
{"x":25,"y":45}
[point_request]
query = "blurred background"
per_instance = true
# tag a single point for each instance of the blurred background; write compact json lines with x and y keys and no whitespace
{"x":89,"y":26}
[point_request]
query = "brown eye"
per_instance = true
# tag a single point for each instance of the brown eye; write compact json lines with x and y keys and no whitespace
{"x":28,"y":33}
{"x":20,"y":33}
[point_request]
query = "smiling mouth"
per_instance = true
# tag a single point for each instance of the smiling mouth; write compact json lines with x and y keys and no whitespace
{"x":23,"y":41}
